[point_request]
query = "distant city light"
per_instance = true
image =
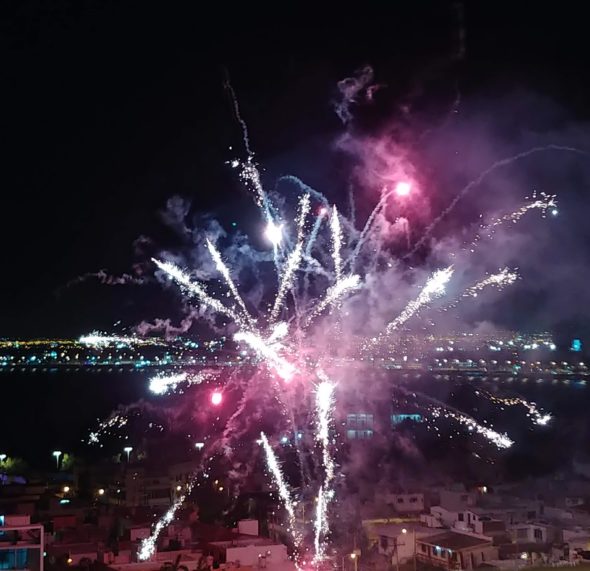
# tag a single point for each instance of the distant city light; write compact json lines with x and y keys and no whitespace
{"x":199,"y":445}
{"x":216,"y":398}
{"x":101,"y":492}
{"x":66,"y":489}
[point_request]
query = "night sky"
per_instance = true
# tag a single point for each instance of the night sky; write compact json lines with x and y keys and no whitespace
{"x":109,"y":109}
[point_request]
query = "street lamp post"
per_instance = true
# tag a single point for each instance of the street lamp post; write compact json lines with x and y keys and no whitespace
{"x":405,"y":531}
{"x":128,"y":450}
{"x":355,"y":558}
{"x":56,"y":455}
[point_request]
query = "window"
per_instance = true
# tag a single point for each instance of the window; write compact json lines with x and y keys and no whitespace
{"x":538,"y":534}
{"x":423,"y":548}
{"x":400,"y":500}
{"x":531,"y":515}
{"x":351,"y":434}
{"x":359,"y":420}
{"x":413,"y":500}
{"x":461,"y":516}
{"x":521,"y":533}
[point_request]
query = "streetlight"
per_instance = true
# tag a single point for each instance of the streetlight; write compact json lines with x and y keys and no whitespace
{"x":66,"y":489}
{"x":128,"y":450}
{"x":3,"y":457}
{"x":355,"y":558}
{"x":404,"y":531}
{"x":56,"y":455}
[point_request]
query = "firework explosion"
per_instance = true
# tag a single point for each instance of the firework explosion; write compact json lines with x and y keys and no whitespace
{"x":297,"y":337}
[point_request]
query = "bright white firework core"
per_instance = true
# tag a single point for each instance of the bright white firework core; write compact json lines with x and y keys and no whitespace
{"x":274,"y":233}
{"x":403,"y":188}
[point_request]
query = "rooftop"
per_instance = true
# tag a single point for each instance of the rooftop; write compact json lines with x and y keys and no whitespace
{"x":454,"y":541}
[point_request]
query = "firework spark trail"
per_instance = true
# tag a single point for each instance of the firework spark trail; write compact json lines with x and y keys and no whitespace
{"x":443,"y":410}
{"x":116,"y":420}
{"x":324,"y":405}
{"x":148,"y":545}
{"x":314,"y":232}
{"x":544,"y":203}
{"x":285,"y":495}
{"x":333,"y":294}
{"x":293,"y":260}
{"x":336,"y":243}
{"x":98,"y":340}
{"x":320,"y":526}
{"x":238,"y":115}
{"x":503,"y":277}
{"x":500,"y":440}
{"x":538,"y":417}
{"x":224,"y":271}
{"x":162,"y":383}
{"x":435,"y":287}
{"x":368,"y":226}
{"x":198,"y":290}
{"x":475,"y":182}
{"x":270,"y":355}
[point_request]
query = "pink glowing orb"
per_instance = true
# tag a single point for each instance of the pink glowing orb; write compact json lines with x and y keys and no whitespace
{"x":216,"y":398}
{"x":403,"y":188}
{"x":323,"y":211}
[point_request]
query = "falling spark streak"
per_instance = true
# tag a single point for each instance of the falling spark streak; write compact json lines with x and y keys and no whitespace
{"x":293,"y":260}
{"x":334,"y":293}
{"x":196,"y":289}
{"x":538,"y":417}
{"x":148,"y":545}
{"x":162,"y":384}
{"x":336,"y":242}
{"x":275,"y":469}
{"x":283,"y":368}
{"x":500,"y":440}
{"x":224,"y":271}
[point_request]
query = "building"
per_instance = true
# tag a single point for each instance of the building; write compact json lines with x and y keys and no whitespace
{"x":454,"y":550}
{"x":21,"y":544}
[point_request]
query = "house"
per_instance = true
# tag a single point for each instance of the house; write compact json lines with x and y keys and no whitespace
{"x":21,"y":544}
{"x":398,"y":540}
{"x":455,"y":550}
